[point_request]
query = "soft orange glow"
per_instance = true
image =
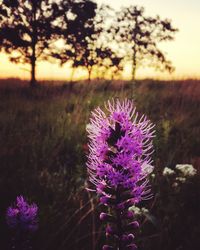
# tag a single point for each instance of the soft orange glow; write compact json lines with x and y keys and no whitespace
{"x":48,"y":71}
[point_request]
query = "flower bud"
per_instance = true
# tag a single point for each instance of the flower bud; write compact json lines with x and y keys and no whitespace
{"x":127,"y":215}
{"x":131,"y":237}
{"x":127,"y":239}
{"x":107,"y":217}
{"x":111,"y":230}
{"x":132,"y":225}
{"x":124,"y":238}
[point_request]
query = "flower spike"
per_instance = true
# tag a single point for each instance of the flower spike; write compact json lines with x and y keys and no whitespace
{"x":119,"y":162}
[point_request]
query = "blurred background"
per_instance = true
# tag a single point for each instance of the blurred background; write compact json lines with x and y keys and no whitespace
{"x":62,"y":59}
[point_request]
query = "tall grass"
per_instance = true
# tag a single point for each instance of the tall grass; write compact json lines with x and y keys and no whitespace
{"x":43,"y":149}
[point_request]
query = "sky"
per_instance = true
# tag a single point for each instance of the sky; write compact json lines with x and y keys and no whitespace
{"x":184,"y":51}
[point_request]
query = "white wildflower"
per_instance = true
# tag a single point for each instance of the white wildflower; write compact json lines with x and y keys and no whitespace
{"x":144,"y":210}
{"x":168,"y":171}
{"x":139,"y":211}
{"x":136,"y":210}
{"x":186,"y":170}
{"x":146,"y":168}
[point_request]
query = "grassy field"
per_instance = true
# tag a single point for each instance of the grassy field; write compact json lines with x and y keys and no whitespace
{"x":43,"y":154}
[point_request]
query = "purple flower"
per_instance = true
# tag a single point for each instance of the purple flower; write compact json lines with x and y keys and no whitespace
{"x":119,"y":162}
{"x":22,"y":216}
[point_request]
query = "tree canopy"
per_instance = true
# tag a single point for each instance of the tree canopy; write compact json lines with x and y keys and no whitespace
{"x":91,"y":37}
{"x":27,"y":30}
{"x":139,"y":35}
{"x":30,"y":28}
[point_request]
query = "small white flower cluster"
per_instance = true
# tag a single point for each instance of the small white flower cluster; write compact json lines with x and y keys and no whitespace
{"x":139,"y":211}
{"x":186,"y":170}
{"x":146,"y":168}
{"x":168,"y":171}
{"x":183,"y":171}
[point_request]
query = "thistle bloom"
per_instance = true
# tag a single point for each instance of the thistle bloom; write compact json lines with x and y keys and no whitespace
{"x":22,"y":216}
{"x":119,"y":163}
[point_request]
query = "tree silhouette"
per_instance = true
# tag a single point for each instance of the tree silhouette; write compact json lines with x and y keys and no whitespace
{"x":103,"y":59}
{"x":98,"y":52}
{"x":75,"y":30}
{"x":84,"y":46}
{"x":139,"y":36}
{"x":27,"y":30}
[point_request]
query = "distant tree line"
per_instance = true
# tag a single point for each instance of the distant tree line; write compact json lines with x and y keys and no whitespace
{"x":84,"y":34}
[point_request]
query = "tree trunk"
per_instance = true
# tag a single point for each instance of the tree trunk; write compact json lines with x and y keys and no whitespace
{"x":134,"y":63}
{"x":89,"y":74}
{"x":135,"y":48}
{"x":33,"y":81}
{"x":133,"y":72}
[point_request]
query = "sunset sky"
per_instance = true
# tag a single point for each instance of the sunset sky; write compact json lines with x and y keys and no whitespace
{"x":184,"y":51}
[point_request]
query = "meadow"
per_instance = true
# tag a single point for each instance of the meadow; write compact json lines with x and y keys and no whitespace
{"x":43,"y":149}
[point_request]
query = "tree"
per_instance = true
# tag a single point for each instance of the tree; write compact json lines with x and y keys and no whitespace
{"x":76,"y":28}
{"x":102,"y":59}
{"x":84,"y":46}
{"x":139,"y":36}
{"x":27,"y":30}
